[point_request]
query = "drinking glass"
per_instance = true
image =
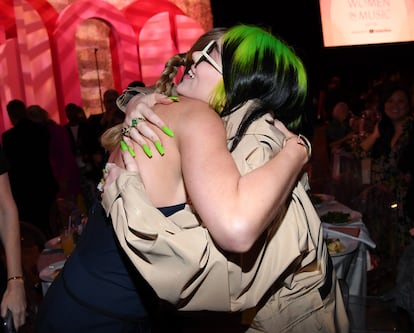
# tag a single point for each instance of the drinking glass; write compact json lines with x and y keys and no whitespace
{"x":66,"y":238}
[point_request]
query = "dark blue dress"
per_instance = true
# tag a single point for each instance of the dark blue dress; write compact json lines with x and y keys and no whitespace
{"x":98,"y":290}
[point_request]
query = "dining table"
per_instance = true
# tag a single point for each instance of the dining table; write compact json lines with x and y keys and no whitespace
{"x":352,"y":261}
{"x":344,"y":161}
{"x":51,"y":260}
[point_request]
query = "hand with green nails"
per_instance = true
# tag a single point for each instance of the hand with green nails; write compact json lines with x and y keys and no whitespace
{"x":138,"y":113}
{"x":125,"y":147}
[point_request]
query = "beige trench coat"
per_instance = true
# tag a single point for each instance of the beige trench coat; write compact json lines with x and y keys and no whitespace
{"x":178,"y":258}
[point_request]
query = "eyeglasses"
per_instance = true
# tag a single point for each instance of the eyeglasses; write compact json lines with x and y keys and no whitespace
{"x":205,"y":56}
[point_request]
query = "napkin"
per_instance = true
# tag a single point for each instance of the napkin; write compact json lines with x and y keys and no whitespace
{"x":356,"y":231}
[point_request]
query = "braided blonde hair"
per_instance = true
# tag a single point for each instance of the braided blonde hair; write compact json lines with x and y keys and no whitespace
{"x":165,"y":84}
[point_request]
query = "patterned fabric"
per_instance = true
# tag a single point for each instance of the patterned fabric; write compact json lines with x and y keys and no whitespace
{"x":386,"y":172}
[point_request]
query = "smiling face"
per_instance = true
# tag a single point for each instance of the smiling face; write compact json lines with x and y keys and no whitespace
{"x":397,"y":106}
{"x":204,"y":75}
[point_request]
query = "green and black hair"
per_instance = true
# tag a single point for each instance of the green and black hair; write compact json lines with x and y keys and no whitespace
{"x":259,"y":66}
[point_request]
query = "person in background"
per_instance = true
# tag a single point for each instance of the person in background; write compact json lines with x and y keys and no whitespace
{"x":12,"y":289}
{"x":136,"y":83}
{"x":82,"y":148}
{"x":333,"y":92}
{"x":65,"y":168}
{"x":99,"y":123}
{"x":390,"y":175}
{"x":26,"y":146}
{"x":338,"y":130}
{"x":112,"y":115}
{"x":370,"y":113}
{"x":402,"y":294}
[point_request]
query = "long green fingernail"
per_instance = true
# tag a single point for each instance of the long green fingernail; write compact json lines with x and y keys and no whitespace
{"x":167,"y":131}
{"x":124,"y":146}
{"x":147,"y":150}
{"x":131,"y":151}
{"x":159,"y":147}
{"x":174,"y":98}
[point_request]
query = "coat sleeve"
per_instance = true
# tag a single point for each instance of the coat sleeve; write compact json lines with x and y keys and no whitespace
{"x":180,"y":260}
{"x":175,"y":254}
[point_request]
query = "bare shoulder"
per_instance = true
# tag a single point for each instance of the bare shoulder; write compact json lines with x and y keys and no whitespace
{"x":198,"y":110}
{"x":188,"y":111}
{"x":185,"y":104}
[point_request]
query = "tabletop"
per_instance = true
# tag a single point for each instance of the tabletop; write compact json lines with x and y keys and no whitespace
{"x":353,"y":262}
{"x":345,"y":224}
{"x":50,"y":262}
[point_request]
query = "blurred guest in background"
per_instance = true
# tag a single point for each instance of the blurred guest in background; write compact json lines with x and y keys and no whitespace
{"x":136,"y":83}
{"x":332,"y":93}
{"x":12,"y":283}
{"x":99,"y":123}
{"x":403,"y":293}
{"x":33,"y":184}
{"x":338,"y":130}
{"x":82,"y":148}
{"x":370,"y":114}
{"x":61,"y":157}
{"x":390,"y":173}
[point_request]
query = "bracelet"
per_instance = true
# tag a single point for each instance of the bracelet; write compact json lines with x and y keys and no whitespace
{"x":304,"y":141}
{"x":16,"y":277}
{"x":301,"y":140}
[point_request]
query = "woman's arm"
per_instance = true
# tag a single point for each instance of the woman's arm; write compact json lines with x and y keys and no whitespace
{"x":14,"y":297}
{"x":178,"y":241}
{"x":369,"y":141}
{"x":236,"y":209}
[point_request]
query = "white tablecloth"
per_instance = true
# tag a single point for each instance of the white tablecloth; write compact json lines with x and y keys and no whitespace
{"x":353,"y":264}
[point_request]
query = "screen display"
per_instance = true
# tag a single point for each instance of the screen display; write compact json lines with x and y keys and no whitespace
{"x":365,"y":22}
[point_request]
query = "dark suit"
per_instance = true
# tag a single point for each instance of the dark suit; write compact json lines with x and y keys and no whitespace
{"x":34,"y":187}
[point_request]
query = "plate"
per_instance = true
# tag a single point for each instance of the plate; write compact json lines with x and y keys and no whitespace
{"x":53,"y":243}
{"x":349,"y":245}
{"x":50,"y":272}
{"x":339,"y":217}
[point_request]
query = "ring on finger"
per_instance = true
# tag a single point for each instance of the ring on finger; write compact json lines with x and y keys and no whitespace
{"x":135,"y":121}
{"x":126,"y":130}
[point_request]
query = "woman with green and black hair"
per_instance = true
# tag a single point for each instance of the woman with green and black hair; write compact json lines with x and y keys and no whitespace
{"x":258,"y":66}
{"x":262,"y":79}
{"x":275,"y":258}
